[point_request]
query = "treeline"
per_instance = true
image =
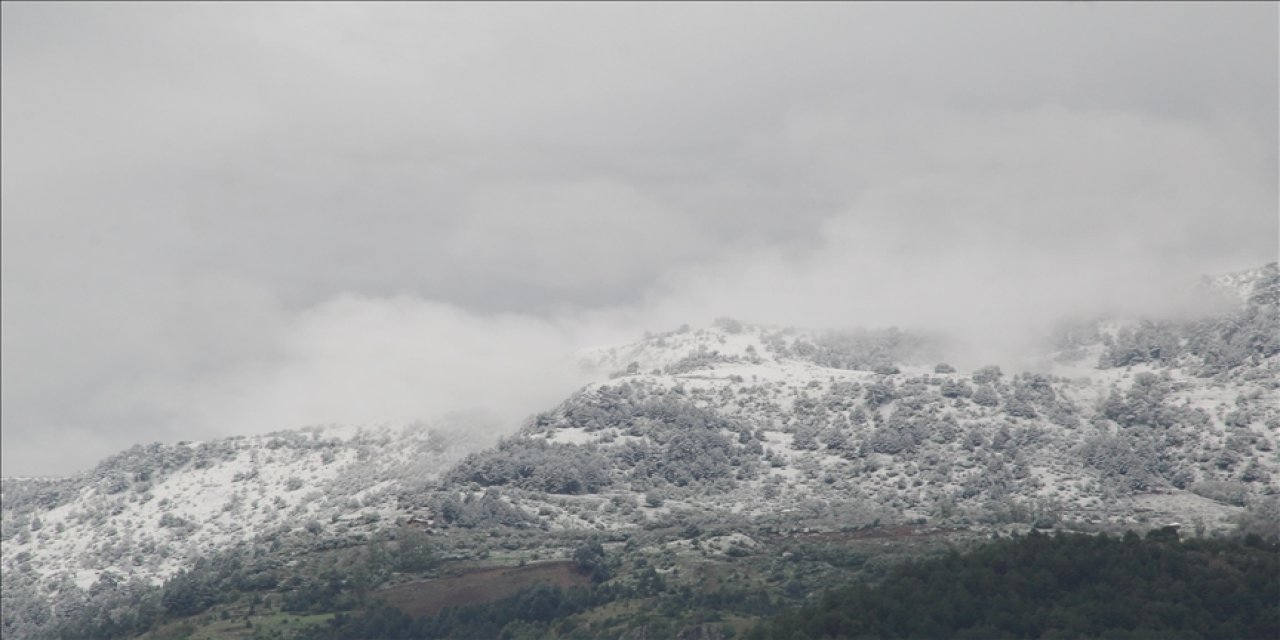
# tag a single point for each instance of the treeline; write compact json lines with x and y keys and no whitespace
{"x":318,"y":582}
{"x":531,"y":611}
{"x":546,"y":611}
{"x":1063,"y":586}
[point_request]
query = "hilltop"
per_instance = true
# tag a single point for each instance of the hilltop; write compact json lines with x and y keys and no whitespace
{"x":702,"y":445}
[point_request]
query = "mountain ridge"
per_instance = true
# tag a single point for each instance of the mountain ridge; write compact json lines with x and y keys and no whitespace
{"x":1156,"y":423}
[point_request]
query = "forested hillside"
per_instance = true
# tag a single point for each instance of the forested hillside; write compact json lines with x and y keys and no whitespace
{"x":1061,"y":586}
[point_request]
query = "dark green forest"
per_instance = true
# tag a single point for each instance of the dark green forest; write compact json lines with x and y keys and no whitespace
{"x":1062,"y":586}
{"x":1067,"y":585}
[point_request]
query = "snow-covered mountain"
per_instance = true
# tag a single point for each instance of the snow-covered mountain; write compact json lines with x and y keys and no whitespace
{"x":746,"y":420}
{"x":1246,"y":284}
{"x":145,"y":514}
{"x":1151,"y":422}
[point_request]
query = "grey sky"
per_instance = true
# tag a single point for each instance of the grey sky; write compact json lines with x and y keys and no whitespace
{"x":226,"y":218}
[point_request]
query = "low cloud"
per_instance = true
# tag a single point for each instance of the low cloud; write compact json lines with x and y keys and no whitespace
{"x":223,"y":219}
{"x":360,"y":360}
{"x":354,"y":360}
{"x":994,"y":227}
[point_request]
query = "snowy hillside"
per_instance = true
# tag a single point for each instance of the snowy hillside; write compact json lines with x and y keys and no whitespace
{"x":1242,"y":285}
{"x":778,"y":432}
{"x":150,"y":511}
{"x":1147,"y":423}
{"x":729,"y":341}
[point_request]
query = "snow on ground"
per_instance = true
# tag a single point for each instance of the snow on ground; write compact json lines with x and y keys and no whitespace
{"x":572,"y":435}
{"x":1184,"y":508}
{"x":1239,"y":284}
{"x":226,"y":493}
{"x":663,"y":350}
{"x":337,"y":476}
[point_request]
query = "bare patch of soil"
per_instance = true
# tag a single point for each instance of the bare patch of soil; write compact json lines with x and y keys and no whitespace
{"x":429,"y":597}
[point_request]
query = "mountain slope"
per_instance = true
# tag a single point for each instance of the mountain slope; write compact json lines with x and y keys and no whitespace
{"x":145,"y":514}
{"x":757,"y":431}
{"x":764,"y":430}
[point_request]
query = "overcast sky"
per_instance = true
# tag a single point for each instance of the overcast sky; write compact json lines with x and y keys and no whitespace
{"x":228,"y":218}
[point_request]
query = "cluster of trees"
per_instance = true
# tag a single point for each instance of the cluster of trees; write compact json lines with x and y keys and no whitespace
{"x":315,"y":581}
{"x":548,"y":611}
{"x":658,"y":440}
{"x":859,"y":350}
{"x":1144,"y":404}
{"x":1159,"y":440}
{"x":28,"y":494}
{"x":536,"y":465}
{"x":1149,"y":341}
{"x":633,"y":409}
{"x":1242,"y":339}
{"x":937,"y":429}
{"x":670,"y":442}
{"x":485,"y":510}
{"x":1126,"y":461}
{"x":906,"y":428}
{"x":526,"y":614}
{"x":1216,"y":345}
{"x":116,"y":608}
{"x":700,"y":359}
{"x":1066,"y":586}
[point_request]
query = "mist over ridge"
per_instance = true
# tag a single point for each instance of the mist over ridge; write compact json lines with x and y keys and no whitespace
{"x":240,"y":219}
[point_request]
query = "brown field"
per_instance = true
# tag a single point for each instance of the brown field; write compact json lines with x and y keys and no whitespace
{"x":429,"y":597}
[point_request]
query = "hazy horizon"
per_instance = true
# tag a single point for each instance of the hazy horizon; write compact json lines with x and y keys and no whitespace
{"x":224,"y":219}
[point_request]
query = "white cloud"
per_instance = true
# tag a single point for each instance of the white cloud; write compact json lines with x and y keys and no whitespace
{"x":224,"y":218}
